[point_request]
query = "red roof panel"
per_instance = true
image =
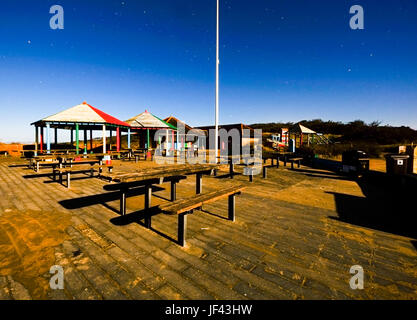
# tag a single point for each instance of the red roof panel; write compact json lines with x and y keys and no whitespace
{"x":108,"y":118}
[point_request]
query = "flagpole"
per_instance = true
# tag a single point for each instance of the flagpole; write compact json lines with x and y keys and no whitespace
{"x":217,"y":85}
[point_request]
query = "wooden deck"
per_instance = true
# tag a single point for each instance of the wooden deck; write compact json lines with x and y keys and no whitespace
{"x":291,"y":240}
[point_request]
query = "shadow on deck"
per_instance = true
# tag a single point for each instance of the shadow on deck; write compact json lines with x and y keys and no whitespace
{"x":389,"y":205}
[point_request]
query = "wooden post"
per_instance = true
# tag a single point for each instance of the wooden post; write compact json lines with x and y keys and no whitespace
{"x":48,"y":142}
{"x":148,"y":147}
{"x":231,"y":169}
{"x":278,"y":161}
{"x":166,"y":142}
{"x":123,"y":192}
{"x":117,"y":139}
{"x":199,"y":183}
{"x":77,"y":142}
{"x":111,"y":137}
{"x":182,"y":228}
{"x":173,"y":190}
{"x":41,"y":138}
{"x":68,"y":179}
{"x":128,"y":138}
{"x":36,"y":140}
{"x":104,"y":138}
{"x":173,"y":140}
{"x":85,"y":139}
{"x":56,"y":137}
{"x":91,"y":140}
{"x":72,"y":138}
{"x":148,"y":199}
{"x":232,"y":208}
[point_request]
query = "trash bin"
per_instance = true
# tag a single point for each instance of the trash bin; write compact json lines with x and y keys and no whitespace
{"x":397,"y":163}
{"x":355,"y":161}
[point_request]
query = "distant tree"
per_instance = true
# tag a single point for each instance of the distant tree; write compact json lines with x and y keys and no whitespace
{"x":352,"y":132}
{"x":375,"y":123}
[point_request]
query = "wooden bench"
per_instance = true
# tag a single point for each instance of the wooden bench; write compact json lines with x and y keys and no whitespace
{"x":292,"y":160}
{"x":81,"y":162}
{"x":249,"y":171}
{"x":183,"y":207}
{"x":282,"y":156}
{"x":101,"y":166}
{"x":37,"y":164}
{"x":68,"y":171}
{"x":147,"y":184}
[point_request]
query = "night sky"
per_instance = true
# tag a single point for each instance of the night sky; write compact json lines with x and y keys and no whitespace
{"x":281,"y":60}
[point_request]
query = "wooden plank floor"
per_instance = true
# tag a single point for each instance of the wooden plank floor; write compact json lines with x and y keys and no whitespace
{"x":287,"y":242}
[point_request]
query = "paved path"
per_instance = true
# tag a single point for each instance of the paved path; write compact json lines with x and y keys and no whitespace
{"x":285,"y":244}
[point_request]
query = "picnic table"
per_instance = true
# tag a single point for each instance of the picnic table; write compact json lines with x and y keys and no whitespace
{"x":69,"y":171}
{"x":277,"y":156}
{"x":154,"y":176}
{"x":138,"y":153}
{"x":46,"y":160}
{"x":231,"y":160}
{"x":236,"y":159}
{"x":181,"y":207}
{"x":63,"y":160}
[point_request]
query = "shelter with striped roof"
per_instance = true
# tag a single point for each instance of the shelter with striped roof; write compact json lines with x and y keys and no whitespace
{"x":82,"y":117}
{"x":146,"y":124}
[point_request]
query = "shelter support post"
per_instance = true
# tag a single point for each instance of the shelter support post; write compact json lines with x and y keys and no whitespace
{"x":111,"y":136}
{"x":41,"y":135}
{"x":48,"y":142}
{"x":128,"y":138}
{"x":167,"y":148}
{"x":104,"y":138}
{"x":56,"y":137}
{"x":91,"y":140}
{"x":147,"y":139}
{"x":117,"y":139}
{"x":36,"y":140}
{"x":172,"y":140}
{"x":85,"y":140}
{"x":77,"y":142}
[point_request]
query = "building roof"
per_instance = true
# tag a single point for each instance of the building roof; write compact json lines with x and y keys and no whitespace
{"x":174,"y":121}
{"x":147,"y":120}
{"x":84,"y":113}
{"x":302,"y":129}
{"x":239,"y":126}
